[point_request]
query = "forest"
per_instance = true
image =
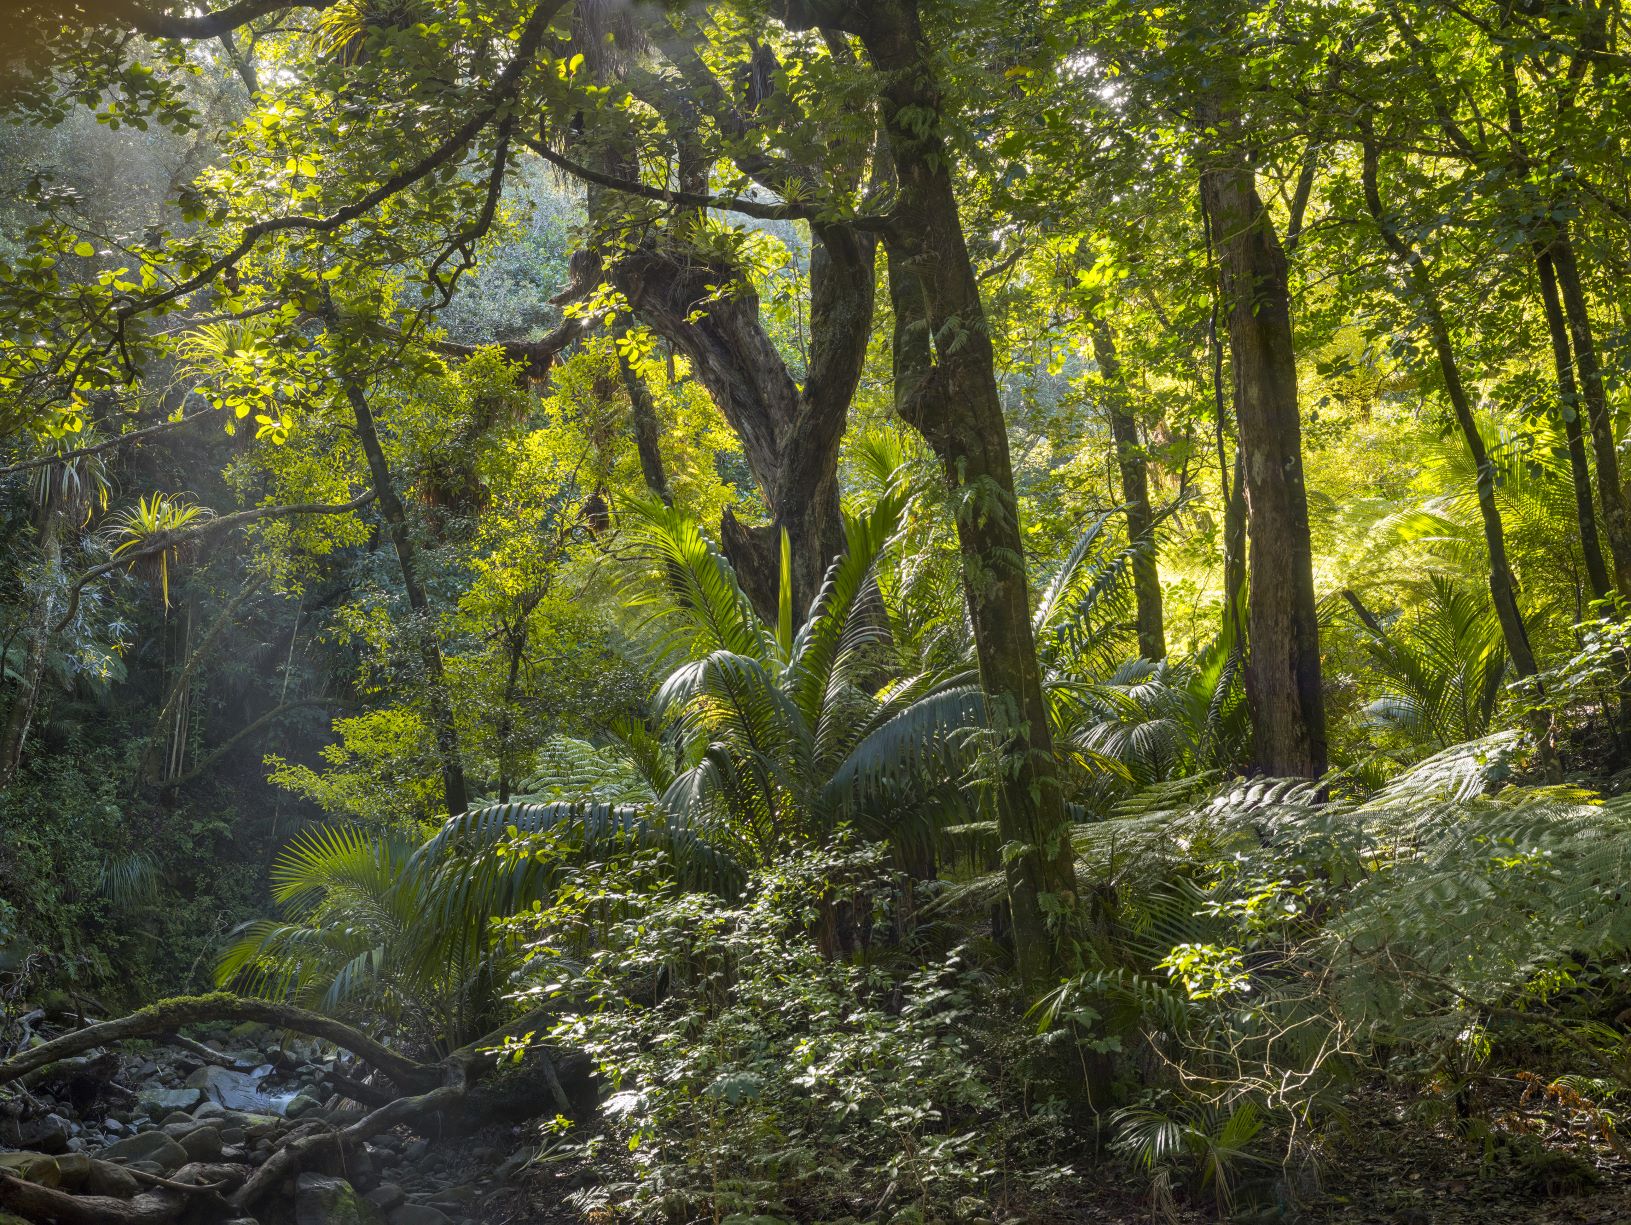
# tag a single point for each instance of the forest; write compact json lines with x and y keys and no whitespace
{"x":769,"y":611}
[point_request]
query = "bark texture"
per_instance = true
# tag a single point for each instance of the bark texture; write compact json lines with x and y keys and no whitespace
{"x":422,"y":631}
{"x":1502,"y":586}
{"x":52,"y":522}
{"x":1569,"y":401}
{"x":945,"y":387}
{"x":1135,"y":494}
{"x":1283,"y":682}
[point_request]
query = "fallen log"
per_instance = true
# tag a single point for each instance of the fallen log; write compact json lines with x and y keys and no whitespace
{"x":158,"y":1020}
{"x":431,"y":1096}
{"x":39,"y":1203}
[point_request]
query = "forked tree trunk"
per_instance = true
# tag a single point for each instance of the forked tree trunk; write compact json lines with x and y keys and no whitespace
{"x":790,"y":434}
{"x":1283,"y":681}
{"x":946,"y":388}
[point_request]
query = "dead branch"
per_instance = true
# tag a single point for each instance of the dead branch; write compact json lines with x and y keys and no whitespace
{"x":157,"y":1020}
{"x":40,"y":1203}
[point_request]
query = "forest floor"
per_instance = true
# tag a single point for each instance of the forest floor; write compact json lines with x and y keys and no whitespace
{"x":1521,"y":1154}
{"x":1389,"y":1166}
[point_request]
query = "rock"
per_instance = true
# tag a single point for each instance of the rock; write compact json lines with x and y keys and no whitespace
{"x":387,"y":1196}
{"x":113,"y":1126}
{"x":75,"y":1170}
{"x":302,"y":1105}
{"x":416,"y":1152}
{"x":233,"y":1090}
{"x":453,"y":1199}
{"x":105,"y":1178}
{"x":47,"y":1134}
{"x":322,"y":1199}
{"x":202,"y":1144}
{"x":233,"y":1135}
{"x":38,"y":1168}
{"x":419,"y":1214}
{"x":152,"y":1146}
{"x":174,"y":1117}
{"x":160,"y":1102}
{"x":210,"y":1110}
{"x":515,"y":1163}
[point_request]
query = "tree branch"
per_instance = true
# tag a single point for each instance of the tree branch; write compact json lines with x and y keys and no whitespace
{"x":503,"y":89}
{"x":163,"y":427}
{"x":166,"y":1016}
{"x":785,"y":211}
{"x":198,"y":25}
{"x":160,"y":542}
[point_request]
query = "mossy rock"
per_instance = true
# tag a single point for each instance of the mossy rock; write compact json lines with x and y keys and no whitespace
{"x":325,"y":1200}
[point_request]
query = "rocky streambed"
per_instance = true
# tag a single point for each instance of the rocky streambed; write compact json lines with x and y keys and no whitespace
{"x":157,"y":1133}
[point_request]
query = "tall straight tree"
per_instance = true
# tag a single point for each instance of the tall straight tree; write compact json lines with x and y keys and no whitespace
{"x":1283,"y":679}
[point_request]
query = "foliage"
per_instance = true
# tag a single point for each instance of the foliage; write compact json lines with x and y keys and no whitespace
{"x":753,"y":1075}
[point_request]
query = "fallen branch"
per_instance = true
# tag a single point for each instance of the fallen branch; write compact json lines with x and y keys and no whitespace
{"x":214,"y":1058}
{"x":190,"y":1188}
{"x":157,"y":1020}
{"x":288,"y":1159}
{"x":48,"y":1204}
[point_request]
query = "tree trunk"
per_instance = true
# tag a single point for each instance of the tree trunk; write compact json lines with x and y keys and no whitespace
{"x":790,"y":435}
{"x":1283,"y":683}
{"x":1135,"y":492}
{"x":1502,"y":588}
{"x":647,"y":431}
{"x":422,"y":630}
{"x":1571,"y":406}
{"x":1616,"y":521}
{"x":945,"y":387}
{"x":36,"y":639}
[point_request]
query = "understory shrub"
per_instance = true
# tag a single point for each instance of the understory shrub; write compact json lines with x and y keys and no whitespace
{"x":753,"y":1076}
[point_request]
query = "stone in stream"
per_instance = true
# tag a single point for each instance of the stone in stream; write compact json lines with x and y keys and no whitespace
{"x":387,"y":1196}
{"x":160,"y":1102}
{"x":37,"y":1168}
{"x":302,"y":1105}
{"x":419,"y":1214}
{"x":202,"y":1144}
{"x":152,"y":1146}
{"x":74,"y":1169}
{"x":48,"y":1134}
{"x":106,"y":1178}
{"x":322,"y":1199}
